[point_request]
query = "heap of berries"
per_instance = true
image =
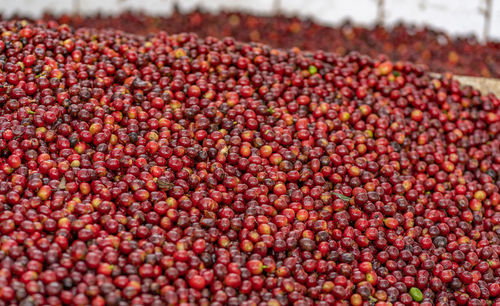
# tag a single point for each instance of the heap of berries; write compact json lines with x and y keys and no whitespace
{"x":173,"y":169}
{"x":460,"y":55}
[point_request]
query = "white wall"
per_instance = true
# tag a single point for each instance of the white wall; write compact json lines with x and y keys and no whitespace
{"x":456,"y":17}
{"x":453,"y":16}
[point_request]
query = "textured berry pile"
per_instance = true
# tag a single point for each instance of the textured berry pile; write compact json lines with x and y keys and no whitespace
{"x":462,"y":55}
{"x":171,"y":169}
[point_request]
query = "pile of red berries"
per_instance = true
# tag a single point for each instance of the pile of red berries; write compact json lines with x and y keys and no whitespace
{"x":461,"y":55}
{"x":172,"y":169}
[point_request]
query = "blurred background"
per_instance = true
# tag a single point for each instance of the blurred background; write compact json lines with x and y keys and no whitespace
{"x":461,"y":36}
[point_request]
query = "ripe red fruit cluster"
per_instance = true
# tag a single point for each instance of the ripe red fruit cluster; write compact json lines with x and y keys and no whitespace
{"x":172,"y":169}
{"x":462,"y":55}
